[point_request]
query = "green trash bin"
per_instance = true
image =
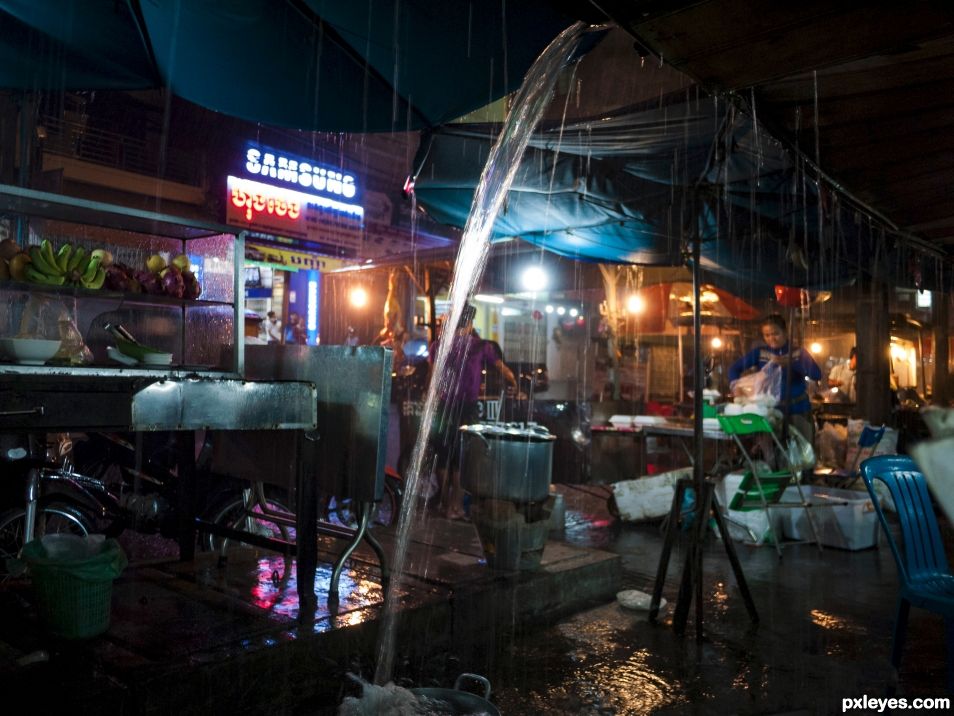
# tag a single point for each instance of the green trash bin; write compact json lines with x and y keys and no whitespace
{"x":73,"y":582}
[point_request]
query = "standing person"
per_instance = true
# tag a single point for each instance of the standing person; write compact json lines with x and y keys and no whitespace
{"x":797,"y":366}
{"x":844,"y":377}
{"x":295,"y":330}
{"x":273,"y":328}
{"x":458,"y":405}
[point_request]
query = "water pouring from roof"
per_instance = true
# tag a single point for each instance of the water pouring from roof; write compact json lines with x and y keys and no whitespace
{"x":496,"y":179}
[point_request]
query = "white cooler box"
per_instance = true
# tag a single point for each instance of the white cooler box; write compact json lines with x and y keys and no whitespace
{"x":849,"y":523}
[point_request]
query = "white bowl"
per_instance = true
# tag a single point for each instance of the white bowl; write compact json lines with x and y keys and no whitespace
{"x":29,"y":351}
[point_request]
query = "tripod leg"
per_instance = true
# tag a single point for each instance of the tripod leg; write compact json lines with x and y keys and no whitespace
{"x":701,"y":527}
{"x":681,"y":614}
{"x":671,"y":528}
{"x":734,"y":560}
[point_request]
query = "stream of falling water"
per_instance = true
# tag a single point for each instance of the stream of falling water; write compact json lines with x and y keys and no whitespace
{"x":495,"y":181}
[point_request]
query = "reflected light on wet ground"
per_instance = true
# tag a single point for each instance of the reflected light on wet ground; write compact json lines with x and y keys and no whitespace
{"x":842,"y":637}
{"x":587,"y":528}
{"x":275,"y":586}
{"x":586,"y":665}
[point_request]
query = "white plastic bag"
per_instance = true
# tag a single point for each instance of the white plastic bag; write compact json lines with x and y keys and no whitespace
{"x":769,"y":381}
{"x":800,"y":453}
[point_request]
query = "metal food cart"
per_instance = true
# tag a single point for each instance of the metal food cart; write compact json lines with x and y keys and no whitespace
{"x":204,"y":386}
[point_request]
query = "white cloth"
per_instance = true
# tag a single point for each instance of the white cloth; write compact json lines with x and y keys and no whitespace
{"x":273,"y":330}
{"x":845,"y":376}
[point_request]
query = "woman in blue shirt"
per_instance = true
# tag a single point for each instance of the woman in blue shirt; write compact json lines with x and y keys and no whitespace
{"x":794,"y":387}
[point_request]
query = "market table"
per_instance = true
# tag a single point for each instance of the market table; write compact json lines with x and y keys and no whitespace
{"x":682,"y":430}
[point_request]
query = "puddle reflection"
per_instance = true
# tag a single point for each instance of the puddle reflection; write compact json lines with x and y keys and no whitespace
{"x":275,"y":589}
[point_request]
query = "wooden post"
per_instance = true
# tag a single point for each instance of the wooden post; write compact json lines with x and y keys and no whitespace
{"x":940,"y":315}
{"x":874,"y":343}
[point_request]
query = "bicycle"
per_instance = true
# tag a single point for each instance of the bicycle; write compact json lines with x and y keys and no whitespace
{"x":107,"y":496}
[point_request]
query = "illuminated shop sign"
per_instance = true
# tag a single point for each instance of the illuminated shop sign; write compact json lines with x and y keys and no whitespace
{"x":282,"y":169}
{"x":298,"y":214}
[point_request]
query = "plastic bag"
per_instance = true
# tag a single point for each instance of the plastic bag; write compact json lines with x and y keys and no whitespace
{"x":763,"y":386}
{"x":769,"y":381}
{"x":745,"y":386}
{"x":92,"y":558}
{"x":799,"y":451}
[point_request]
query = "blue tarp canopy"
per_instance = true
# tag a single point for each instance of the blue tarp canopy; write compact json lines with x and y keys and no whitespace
{"x":308,"y":64}
{"x":631,"y":186}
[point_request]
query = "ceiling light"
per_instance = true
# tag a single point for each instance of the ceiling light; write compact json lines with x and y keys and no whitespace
{"x":534,"y":278}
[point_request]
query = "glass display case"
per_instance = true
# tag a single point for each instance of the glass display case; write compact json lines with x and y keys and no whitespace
{"x":85,"y":268}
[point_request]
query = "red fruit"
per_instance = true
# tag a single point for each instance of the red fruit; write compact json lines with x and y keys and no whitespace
{"x":192,"y":288}
{"x":172,"y":282}
{"x":149,"y":282}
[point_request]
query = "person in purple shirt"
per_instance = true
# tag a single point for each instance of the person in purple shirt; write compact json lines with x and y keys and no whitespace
{"x":458,"y":405}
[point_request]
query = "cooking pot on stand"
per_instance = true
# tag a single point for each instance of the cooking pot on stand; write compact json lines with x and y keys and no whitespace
{"x":507,"y":462}
{"x":456,"y":701}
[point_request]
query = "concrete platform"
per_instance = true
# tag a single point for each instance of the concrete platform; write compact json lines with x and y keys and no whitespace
{"x":208,"y":638}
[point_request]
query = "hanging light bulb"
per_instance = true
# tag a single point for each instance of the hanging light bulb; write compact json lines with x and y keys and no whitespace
{"x":358,"y":297}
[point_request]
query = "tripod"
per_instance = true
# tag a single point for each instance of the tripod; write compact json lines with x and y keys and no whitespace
{"x":706,"y":502}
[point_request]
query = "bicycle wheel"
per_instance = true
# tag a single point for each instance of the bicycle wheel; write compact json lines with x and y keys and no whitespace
{"x":385,"y":512}
{"x":50,"y":519}
{"x":233,"y":513}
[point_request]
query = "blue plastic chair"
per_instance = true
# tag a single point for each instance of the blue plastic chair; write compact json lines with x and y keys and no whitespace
{"x":868,"y":442}
{"x":926,"y":579}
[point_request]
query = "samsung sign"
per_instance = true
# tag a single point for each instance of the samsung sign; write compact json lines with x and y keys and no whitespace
{"x":281,"y":169}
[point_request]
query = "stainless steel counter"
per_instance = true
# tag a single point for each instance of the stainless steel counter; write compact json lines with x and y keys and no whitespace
{"x":51,"y":398}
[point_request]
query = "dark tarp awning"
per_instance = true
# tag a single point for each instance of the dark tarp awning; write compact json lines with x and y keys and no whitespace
{"x":629,"y":187}
{"x":308,"y":64}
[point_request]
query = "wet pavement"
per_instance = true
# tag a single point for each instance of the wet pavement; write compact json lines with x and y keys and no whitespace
{"x":207,"y":638}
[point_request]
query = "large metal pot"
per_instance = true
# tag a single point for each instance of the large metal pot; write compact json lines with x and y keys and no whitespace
{"x":506,"y":462}
{"x":455,"y":701}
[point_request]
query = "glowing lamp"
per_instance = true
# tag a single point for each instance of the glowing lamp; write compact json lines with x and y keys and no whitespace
{"x":358,"y":297}
{"x":534,"y":278}
{"x":635,"y":304}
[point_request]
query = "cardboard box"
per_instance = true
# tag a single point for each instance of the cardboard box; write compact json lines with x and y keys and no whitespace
{"x":844,"y":519}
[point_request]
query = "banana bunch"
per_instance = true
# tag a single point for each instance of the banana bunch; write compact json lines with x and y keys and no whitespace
{"x":70,"y":265}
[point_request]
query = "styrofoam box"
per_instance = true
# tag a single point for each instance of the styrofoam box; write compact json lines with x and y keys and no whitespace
{"x":848,"y":522}
{"x":647,"y":498}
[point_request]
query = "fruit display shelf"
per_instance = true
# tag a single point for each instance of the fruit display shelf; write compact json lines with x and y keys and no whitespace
{"x":103,"y":293}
